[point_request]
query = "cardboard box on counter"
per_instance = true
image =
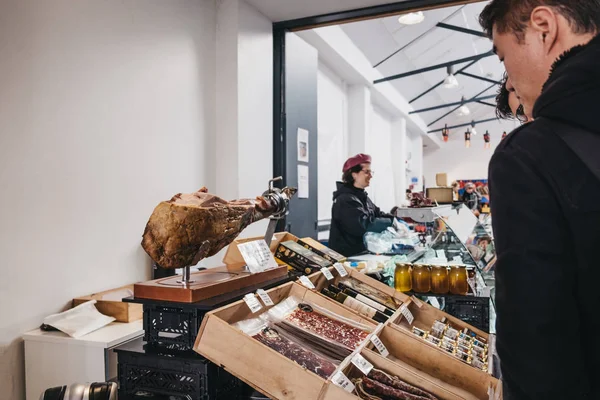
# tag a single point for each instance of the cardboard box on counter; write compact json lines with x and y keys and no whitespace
{"x":441,"y":179}
{"x":300,"y":258}
{"x":322,"y":250}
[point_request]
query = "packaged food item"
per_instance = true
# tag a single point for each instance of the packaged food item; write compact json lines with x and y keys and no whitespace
{"x":319,"y":321}
{"x":432,"y":339}
{"x":260,"y":330}
{"x":355,"y":304}
{"x":419,"y":332}
{"x":451,"y":333}
{"x":371,"y":292}
{"x":396,"y":383}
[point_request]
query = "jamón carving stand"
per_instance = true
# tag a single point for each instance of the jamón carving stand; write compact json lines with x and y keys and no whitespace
{"x":173,"y":312}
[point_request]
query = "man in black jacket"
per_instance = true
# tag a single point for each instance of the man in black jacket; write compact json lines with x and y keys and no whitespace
{"x":353,"y":213}
{"x":545,"y":192}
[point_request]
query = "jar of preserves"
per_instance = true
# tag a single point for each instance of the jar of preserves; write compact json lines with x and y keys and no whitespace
{"x":458,"y":280}
{"x":421,"y":277}
{"x":440,"y":283}
{"x":403,"y":278}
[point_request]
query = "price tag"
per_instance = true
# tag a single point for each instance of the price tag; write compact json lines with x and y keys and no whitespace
{"x":380,"y":346}
{"x":264,"y":296}
{"x":340,"y":269}
{"x":327,"y":273}
{"x":339,"y":379}
{"x":252,"y":302}
{"x":257,"y":255}
{"x":407,"y":314}
{"x":417,"y":302}
{"x":434,"y":302}
{"x":306,"y":282}
{"x":362,"y":364}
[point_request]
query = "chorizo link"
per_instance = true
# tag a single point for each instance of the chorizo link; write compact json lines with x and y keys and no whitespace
{"x":396,"y":394}
{"x":382,"y":377}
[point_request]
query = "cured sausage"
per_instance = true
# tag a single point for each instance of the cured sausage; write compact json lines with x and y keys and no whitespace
{"x":395,"y":382}
{"x":373,"y":387}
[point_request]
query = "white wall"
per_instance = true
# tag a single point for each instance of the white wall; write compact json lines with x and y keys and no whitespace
{"x":379,"y":146}
{"x":462,"y":163}
{"x":106,"y":108}
{"x":333,"y":135}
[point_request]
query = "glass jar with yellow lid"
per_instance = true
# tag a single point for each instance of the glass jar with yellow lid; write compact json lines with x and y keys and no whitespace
{"x":403,"y":278}
{"x":458,"y":280}
{"x":440,"y":281}
{"x":421,"y":277}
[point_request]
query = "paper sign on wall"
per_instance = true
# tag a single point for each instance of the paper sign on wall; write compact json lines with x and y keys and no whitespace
{"x":303,"y":181}
{"x":302,"y":145}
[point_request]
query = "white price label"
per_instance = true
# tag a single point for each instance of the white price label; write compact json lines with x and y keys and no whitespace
{"x":340,"y":269}
{"x":417,"y":302}
{"x":434,"y":302}
{"x":327,"y":273}
{"x":380,"y":346}
{"x":264,"y":296}
{"x":306,"y":282}
{"x":257,"y":255}
{"x":407,"y":314}
{"x":252,"y":302}
{"x":339,"y":379}
{"x":362,"y":364}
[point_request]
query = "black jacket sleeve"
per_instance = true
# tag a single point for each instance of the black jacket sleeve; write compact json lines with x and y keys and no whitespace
{"x":537,"y":322}
{"x":355,"y":219}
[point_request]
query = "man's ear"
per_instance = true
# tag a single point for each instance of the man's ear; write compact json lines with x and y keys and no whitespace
{"x":544,"y":23}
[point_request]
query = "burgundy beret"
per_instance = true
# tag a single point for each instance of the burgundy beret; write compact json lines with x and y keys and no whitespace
{"x":356,"y":160}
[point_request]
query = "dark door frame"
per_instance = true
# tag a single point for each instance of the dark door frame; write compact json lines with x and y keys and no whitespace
{"x":281,"y":28}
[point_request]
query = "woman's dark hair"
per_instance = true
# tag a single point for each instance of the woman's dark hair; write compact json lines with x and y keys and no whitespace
{"x":393,"y":211}
{"x":503,"y":110}
{"x":347,"y":176}
{"x":513,"y":15}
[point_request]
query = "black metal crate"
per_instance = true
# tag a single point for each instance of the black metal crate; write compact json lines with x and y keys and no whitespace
{"x":472,"y":310}
{"x":154,"y":373}
{"x":172,"y":324}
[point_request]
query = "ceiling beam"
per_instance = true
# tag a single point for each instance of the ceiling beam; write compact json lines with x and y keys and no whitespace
{"x":481,"y":121}
{"x":485,"y":103}
{"x":456,"y":108}
{"x":417,"y":38}
{"x":440,"y":83}
{"x":481,"y":78}
{"x":434,"y":67}
{"x":457,"y":103}
{"x":461,"y":29}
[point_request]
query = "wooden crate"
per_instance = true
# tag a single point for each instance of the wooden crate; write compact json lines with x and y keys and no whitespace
{"x":122,"y":312}
{"x":411,"y":359}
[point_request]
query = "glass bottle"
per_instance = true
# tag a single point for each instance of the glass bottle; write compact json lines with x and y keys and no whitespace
{"x":421,"y":277}
{"x":440,"y":283}
{"x":458,"y":280}
{"x":403,"y":278}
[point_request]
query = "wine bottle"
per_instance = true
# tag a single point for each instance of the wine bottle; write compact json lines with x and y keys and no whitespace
{"x":363,"y":299}
{"x":356,"y":305}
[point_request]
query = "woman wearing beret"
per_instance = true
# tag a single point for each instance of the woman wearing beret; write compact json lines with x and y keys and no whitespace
{"x":353,"y":213}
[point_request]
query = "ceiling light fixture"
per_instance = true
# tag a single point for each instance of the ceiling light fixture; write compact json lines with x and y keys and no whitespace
{"x":412,"y":18}
{"x":486,"y":139}
{"x":463,"y":110}
{"x":473,"y":131}
{"x":468,"y":138}
{"x":445,"y":133}
{"x":450,"y":82}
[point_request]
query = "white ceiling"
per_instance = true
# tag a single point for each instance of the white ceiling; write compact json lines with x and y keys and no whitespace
{"x":283,"y":10}
{"x":379,"y":38}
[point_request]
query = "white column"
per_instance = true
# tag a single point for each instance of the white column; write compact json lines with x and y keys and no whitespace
{"x":398,"y":149}
{"x":359,"y":118}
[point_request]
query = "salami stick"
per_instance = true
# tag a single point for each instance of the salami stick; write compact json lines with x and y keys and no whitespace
{"x":394,"y":382}
{"x":393,"y":393}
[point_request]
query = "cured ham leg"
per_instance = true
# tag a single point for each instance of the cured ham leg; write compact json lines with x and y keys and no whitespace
{"x":178,"y":228}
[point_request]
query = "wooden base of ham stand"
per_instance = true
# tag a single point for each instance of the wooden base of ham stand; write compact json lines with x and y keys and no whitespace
{"x":204,"y":284}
